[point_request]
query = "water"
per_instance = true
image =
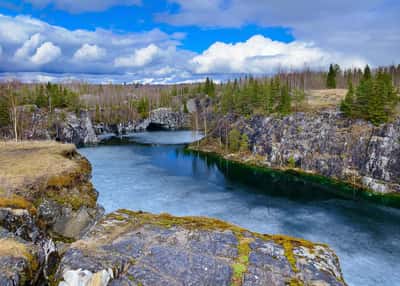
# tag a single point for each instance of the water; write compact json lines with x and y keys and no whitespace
{"x":164,"y":178}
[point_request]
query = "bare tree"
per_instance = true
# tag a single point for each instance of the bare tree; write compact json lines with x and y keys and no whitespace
{"x":12,"y":96}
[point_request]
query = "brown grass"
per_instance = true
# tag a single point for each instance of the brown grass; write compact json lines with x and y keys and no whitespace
{"x":318,"y":99}
{"x":10,"y":247}
{"x":24,"y":163}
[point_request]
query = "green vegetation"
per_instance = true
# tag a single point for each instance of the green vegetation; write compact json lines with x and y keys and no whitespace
{"x":234,"y":140}
{"x":251,"y":97}
{"x":375,"y":98}
{"x":332,"y":74}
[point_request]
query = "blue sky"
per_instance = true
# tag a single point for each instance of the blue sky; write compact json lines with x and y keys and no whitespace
{"x":165,"y":41}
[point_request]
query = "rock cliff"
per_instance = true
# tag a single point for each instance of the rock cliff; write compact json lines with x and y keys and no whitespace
{"x":46,"y":196}
{"x":326,"y":144}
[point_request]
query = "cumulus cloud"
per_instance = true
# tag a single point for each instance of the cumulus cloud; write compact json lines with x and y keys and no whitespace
{"x":89,"y":52}
{"x":46,"y":53}
{"x":28,"y":47}
{"x":260,"y":55}
{"x":22,"y":39}
{"x":79,"y":6}
{"x":140,"y":58}
{"x":365,"y":27}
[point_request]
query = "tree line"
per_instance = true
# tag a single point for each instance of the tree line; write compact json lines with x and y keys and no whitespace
{"x":374,"y":99}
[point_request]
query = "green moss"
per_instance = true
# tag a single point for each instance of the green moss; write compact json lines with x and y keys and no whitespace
{"x":242,"y":261}
{"x":344,"y":189}
{"x":295,"y":282}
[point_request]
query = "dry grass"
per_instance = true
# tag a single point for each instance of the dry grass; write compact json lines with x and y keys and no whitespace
{"x":10,"y":247}
{"x":24,"y":163}
{"x":324,"y":98}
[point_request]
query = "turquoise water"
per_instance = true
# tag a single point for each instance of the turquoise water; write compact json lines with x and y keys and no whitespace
{"x":164,"y":178}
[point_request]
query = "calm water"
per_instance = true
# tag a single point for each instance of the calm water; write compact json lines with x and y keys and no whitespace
{"x":163,"y":178}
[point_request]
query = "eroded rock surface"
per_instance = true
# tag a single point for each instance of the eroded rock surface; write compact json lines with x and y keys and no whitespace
{"x":135,"y":248}
{"x":327,"y":144}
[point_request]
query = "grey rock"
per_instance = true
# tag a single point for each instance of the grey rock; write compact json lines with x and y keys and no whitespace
{"x":328,"y":144}
{"x":145,"y":249}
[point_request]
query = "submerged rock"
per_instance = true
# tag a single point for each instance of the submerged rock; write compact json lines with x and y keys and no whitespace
{"x":135,"y":248}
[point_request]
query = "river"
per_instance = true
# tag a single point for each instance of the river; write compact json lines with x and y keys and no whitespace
{"x":160,"y":178}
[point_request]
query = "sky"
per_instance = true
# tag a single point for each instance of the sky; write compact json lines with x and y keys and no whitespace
{"x":175,"y":41}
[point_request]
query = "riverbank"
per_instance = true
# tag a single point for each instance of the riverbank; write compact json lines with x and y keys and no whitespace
{"x":48,"y":206}
{"x":215,"y":150}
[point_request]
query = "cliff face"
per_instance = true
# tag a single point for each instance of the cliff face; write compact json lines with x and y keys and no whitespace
{"x":69,"y":127}
{"x":46,"y":196}
{"x":327,"y":144}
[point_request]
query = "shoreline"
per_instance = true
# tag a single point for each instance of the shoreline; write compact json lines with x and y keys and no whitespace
{"x":343,"y":189}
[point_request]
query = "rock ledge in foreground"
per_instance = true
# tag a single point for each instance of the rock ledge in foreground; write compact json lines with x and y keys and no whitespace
{"x":136,"y":248}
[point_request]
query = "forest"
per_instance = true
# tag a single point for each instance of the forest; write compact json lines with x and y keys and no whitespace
{"x":372,"y":95}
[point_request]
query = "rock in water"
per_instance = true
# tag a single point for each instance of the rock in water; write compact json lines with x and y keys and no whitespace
{"x":136,"y":248}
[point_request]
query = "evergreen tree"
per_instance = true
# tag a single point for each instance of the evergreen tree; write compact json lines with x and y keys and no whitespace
{"x":347,"y":104}
{"x":4,"y":111}
{"x":367,"y":73}
{"x":284,"y":106}
{"x":331,"y":78}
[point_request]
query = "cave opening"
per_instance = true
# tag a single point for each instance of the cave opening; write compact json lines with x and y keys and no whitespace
{"x":156,"y":127}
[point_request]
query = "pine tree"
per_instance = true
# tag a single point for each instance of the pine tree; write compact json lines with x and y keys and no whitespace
{"x":347,"y":104}
{"x":367,"y":73}
{"x":4,"y":111}
{"x":284,"y":106}
{"x":331,"y":78}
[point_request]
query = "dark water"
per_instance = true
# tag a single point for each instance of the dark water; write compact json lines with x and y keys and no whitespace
{"x":161,"y":178}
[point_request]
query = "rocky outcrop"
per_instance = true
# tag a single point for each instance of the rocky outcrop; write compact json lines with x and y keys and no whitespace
{"x":158,"y":119}
{"x":327,"y":144}
{"x":55,"y":192}
{"x":75,"y":129}
{"x":135,"y":248}
{"x":166,"y":118}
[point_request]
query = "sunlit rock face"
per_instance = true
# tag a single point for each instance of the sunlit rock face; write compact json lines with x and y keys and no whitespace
{"x":328,"y":144}
{"x":146,"y":249}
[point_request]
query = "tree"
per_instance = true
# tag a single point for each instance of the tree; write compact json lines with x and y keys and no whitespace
{"x":331,"y":78}
{"x":285,"y":101}
{"x":234,"y":140}
{"x":244,"y":143}
{"x":347,"y":104}
{"x":13,"y":102}
{"x":4,"y":111}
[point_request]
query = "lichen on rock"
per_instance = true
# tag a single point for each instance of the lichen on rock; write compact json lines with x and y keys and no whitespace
{"x":146,"y":249}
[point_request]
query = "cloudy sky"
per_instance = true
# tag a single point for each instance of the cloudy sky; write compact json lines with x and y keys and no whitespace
{"x":166,"y":41}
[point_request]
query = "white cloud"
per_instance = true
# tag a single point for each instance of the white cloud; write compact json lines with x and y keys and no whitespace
{"x":140,"y":58}
{"x":89,"y":52}
{"x":78,"y":6}
{"x":28,"y":47}
{"x":46,"y":53}
{"x":260,"y":55}
{"x":83,"y":51}
{"x":364,"y":27}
